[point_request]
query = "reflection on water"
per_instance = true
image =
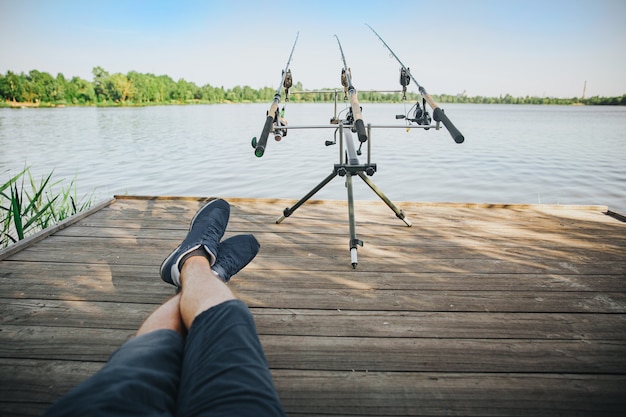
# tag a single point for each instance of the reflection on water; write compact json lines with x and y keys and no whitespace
{"x":512,"y":154}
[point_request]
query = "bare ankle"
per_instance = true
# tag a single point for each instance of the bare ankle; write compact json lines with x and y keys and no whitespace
{"x":194,"y":265}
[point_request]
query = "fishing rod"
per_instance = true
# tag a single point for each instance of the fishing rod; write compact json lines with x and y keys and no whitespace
{"x":438,"y":113}
{"x":346,"y":81}
{"x":272,"y":114}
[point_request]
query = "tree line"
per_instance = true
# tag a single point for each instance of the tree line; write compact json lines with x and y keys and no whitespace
{"x":137,"y":89}
{"x":508,"y":99}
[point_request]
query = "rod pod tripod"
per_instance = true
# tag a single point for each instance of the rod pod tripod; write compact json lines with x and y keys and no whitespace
{"x":349,"y":164}
{"x":348,"y":167}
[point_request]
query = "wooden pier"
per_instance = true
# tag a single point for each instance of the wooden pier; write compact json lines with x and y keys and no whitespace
{"x":475,"y":310}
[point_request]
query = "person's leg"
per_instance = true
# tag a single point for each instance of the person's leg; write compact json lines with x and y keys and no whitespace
{"x":167,"y":316}
{"x":201,"y":289}
{"x":224,"y":371}
{"x":141,"y":377}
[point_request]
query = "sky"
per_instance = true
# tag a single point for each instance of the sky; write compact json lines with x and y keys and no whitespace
{"x":475,"y":47}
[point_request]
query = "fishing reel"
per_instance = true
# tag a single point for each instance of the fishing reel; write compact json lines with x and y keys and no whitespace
{"x":280,"y":121}
{"x":420,"y":114}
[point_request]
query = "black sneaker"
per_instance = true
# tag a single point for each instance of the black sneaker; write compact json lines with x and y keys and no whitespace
{"x":206,"y":231}
{"x":235,"y":253}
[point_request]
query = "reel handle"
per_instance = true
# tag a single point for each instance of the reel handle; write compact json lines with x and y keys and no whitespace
{"x":440,"y":116}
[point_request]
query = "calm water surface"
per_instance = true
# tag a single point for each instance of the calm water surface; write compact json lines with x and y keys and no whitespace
{"x":512,"y":154}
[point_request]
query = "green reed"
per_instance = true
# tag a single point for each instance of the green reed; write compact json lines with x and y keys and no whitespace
{"x":28,"y":206}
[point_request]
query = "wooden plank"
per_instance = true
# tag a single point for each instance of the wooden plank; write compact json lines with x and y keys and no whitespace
{"x":61,"y":343}
{"x":390,"y":300}
{"x":13,"y":272}
{"x":256,"y":279}
{"x":65,"y":313}
{"x":27,"y":279}
{"x":444,"y":325}
{"x":54,"y":247}
{"x":384,"y":224}
{"x":349,"y":353}
{"x":425,"y":355}
{"x":317,"y":393}
{"x":313,"y":322}
{"x":89,"y":282}
{"x":313,"y":393}
{"x":595,"y":242}
{"x":332,"y":257}
{"x":485,"y":301}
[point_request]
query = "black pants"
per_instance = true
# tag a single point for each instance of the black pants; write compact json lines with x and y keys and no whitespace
{"x":218,"y":370}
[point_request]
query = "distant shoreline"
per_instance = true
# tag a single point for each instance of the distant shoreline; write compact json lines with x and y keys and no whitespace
{"x":40,"y":89}
{"x":620,"y":101}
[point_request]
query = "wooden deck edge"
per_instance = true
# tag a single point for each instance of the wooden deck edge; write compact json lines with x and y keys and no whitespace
{"x":162,"y":197}
{"x":591,"y":207}
{"x":42,"y":234}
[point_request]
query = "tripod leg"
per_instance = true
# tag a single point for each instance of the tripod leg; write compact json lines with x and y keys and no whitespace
{"x":289,"y":210}
{"x":399,"y":213}
{"x":354,"y":242}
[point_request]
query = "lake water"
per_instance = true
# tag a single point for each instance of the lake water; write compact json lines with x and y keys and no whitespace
{"x":511,"y":154}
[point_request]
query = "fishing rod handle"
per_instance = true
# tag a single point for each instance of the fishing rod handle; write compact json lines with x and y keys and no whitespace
{"x":440,"y":116}
{"x":262,"y":143}
{"x":358,"y":118}
{"x":360,"y":130}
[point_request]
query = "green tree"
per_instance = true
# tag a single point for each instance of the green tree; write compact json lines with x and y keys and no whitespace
{"x":165,"y":88}
{"x":41,"y":86}
{"x":99,"y":77}
{"x":249,"y":94}
{"x":12,"y":87}
{"x":82,"y":91}
{"x":213,"y":94}
{"x":235,"y":94}
{"x":119,"y":88}
{"x":61,"y":86}
{"x":267,"y":94}
{"x":141,"y":86}
{"x":184,"y":91}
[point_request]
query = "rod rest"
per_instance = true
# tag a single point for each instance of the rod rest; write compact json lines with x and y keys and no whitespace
{"x":343,"y":169}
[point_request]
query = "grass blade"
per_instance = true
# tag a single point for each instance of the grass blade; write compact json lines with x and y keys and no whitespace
{"x":24,"y":213}
{"x":16,"y":207}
